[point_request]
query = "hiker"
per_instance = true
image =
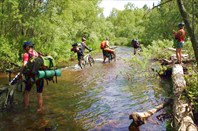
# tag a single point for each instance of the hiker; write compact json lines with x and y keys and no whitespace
{"x":179,"y":37}
{"x":30,"y":53}
{"x":106,"y":49}
{"x":136,"y":45}
{"x":79,"y":49}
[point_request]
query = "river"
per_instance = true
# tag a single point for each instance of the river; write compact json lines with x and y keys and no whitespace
{"x":98,"y":98}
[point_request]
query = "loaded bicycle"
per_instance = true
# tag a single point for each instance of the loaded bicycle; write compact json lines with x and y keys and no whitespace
{"x":109,"y":55}
{"x":7,"y":92}
{"x":87,"y":59}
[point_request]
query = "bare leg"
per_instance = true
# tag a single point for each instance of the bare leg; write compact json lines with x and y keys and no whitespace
{"x":180,"y":56}
{"x":26,"y":99}
{"x":40,"y":102}
{"x":177,"y":54}
{"x":104,"y":58}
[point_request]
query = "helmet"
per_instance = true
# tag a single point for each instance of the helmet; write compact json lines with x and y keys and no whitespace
{"x":30,"y":44}
{"x":181,"y":24}
{"x":83,"y":39}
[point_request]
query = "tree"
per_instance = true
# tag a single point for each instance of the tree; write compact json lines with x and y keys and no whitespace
{"x":189,"y":28}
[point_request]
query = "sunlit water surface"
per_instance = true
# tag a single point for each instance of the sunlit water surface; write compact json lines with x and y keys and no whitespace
{"x":98,"y":98}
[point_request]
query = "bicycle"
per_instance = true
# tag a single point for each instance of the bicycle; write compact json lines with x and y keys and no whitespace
{"x":7,"y":93}
{"x":109,"y":55}
{"x":87,"y":59}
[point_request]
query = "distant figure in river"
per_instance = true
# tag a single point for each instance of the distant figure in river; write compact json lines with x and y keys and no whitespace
{"x":106,"y":49}
{"x":135,"y":44}
{"x":79,"y":49}
{"x":179,"y":37}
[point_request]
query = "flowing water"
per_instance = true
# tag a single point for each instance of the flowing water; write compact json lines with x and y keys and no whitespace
{"x":98,"y":98}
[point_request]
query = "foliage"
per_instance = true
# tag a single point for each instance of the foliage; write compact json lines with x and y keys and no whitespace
{"x":51,"y":25}
{"x":54,"y":25}
{"x":192,"y":82}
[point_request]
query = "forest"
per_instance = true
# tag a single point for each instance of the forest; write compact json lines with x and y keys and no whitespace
{"x":54,"y":25}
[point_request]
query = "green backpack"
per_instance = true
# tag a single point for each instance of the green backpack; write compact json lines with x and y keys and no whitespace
{"x":42,"y":67}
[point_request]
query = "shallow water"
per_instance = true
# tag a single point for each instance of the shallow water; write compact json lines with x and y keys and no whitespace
{"x":98,"y":98}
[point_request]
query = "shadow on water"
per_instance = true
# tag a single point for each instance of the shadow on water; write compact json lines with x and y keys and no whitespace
{"x":95,"y":98}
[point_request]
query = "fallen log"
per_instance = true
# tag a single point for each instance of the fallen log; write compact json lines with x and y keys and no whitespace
{"x":174,"y":50}
{"x":139,"y":118}
{"x":182,"y":110}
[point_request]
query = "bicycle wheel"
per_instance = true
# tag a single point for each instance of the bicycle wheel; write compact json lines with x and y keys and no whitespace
{"x":91,"y":61}
{"x":109,"y":57}
{"x":3,"y":97}
{"x":19,"y":86}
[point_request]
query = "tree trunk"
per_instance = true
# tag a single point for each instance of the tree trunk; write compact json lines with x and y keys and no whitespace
{"x":181,"y":108}
{"x":189,"y":28}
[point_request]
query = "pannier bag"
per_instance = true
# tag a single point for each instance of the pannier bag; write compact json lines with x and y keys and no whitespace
{"x":42,"y":67}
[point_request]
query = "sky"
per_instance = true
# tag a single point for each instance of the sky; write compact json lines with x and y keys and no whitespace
{"x":108,"y":5}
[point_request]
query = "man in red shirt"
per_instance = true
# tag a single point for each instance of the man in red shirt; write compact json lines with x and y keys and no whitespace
{"x":179,"y":36}
{"x":30,"y":53}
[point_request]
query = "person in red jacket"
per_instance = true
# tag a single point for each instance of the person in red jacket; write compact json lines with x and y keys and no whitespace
{"x":105,"y":47}
{"x":179,"y":36}
{"x":30,"y":53}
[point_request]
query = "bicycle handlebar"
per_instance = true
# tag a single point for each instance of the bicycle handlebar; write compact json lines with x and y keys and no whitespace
{"x":15,"y":65}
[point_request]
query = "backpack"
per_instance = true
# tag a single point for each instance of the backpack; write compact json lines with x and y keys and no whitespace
{"x":103,"y":45}
{"x":136,"y":44}
{"x":42,"y":67}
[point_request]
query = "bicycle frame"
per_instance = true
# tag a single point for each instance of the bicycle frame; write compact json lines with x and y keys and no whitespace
{"x":109,"y":55}
{"x":10,"y":89}
{"x":87,"y":59}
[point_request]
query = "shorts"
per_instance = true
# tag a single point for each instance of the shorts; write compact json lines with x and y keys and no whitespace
{"x":105,"y":53}
{"x":80,"y":56}
{"x":30,"y":82}
{"x":179,"y":44}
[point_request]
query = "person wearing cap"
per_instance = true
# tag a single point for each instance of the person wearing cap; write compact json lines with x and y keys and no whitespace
{"x":30,"y":53}
{"x":179,"y":37}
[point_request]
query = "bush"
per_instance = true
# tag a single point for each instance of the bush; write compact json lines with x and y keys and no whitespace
{"x":7,"y":53}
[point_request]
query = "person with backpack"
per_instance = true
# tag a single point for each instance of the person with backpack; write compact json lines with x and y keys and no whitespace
{"x":30,"y":54}
{"x":106,"y":49}
{"x":136,"y":45}
{"x":179,"y":37}
{"x":79,"y":48}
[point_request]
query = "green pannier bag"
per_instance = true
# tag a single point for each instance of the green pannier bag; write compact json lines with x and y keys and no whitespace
{"x":42,"y":67}
{"x":48,"y":62}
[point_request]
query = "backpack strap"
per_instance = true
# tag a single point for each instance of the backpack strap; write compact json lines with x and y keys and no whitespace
{"x":55,"y":76}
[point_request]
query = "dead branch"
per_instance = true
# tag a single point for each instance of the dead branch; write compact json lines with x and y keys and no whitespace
{"x":139,"y":118}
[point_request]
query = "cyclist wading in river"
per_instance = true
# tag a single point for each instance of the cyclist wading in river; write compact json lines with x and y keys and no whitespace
{"x":29,"y":54}
{"x":79,"y":49}
{"x":106,"y":49}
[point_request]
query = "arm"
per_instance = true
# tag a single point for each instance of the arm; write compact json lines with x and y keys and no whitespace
{"x":107,"y":44}
{"x":178,"y":34}
{"x":25,"y":61}
{"x":86,"y":47}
